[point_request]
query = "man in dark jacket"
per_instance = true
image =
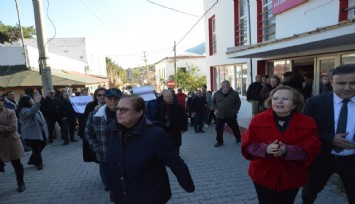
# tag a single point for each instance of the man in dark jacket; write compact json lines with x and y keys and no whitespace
{"x":198,"y":110}
{"x":226,"y":104}
{"x":53,"y":110}
{"x":253,"y":95}
{"x":174,"y":118}
{"x":69,"y":119}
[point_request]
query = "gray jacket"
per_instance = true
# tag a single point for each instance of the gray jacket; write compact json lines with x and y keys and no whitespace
{"x":33,"y":124}
{"x":226,"y":106}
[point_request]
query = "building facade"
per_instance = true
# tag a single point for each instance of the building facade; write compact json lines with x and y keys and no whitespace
{"x":185,"y":61}
{"x":271,"y":37}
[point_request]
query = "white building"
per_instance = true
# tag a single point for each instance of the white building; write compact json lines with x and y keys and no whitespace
{"x":71,"y":59}
{"x":246,"y":38}
{"x":184,"y":61}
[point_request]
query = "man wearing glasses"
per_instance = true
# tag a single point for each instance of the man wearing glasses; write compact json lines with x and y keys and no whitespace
{"x":95,"y":128}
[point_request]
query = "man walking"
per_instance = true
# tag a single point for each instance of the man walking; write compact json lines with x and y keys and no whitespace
{"x":335,"y":118}
{"x":226,"y":104}
{"x":253,"y":95}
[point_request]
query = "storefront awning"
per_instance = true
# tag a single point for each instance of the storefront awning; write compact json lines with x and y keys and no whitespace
{"x":340,"y":37}
{"x":20,"y":76}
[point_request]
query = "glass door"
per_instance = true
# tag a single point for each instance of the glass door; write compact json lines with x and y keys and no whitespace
{"x":322,"y":65}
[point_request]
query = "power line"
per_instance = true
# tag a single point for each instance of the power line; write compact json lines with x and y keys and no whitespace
{"x":196,"y":23}
{"x":98,"y":19}
{"x":172,"y":9}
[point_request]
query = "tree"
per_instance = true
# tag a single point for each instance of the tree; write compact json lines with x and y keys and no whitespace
{"x":190,"y":79}
{"x":13,"y":33}
{"x":116,"y":74}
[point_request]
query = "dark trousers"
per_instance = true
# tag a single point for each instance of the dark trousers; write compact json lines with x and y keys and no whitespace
{"x":68,"y":127}
{"x":18,"y":170}
{"x":268,"y":196}
{"x":211,"y":116}
{"x":104,"y":171}
{"x":198,"y":121}
{"x":51,"y":124}
{"x":321,"y":170}
{"x":37,"y":146}
{"x":232,"y":123}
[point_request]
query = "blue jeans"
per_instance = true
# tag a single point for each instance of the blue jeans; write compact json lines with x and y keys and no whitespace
{"x":104,"y":173}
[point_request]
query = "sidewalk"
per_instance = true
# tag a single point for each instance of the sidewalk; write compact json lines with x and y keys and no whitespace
{"x":220,"y":176}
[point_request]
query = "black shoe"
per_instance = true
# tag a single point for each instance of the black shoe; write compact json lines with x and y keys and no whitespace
{"x":238,"y":140}
{"x":218,"y":144}
{"x":65,"y":143}
{"x":21,"y":187}
{"x":201,"y":131}
{"x":39,"y":167}
{"x":73,"y":140}
{"x":106,"y":189}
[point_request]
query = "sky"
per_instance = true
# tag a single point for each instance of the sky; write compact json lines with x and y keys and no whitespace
{"x":120,"y":29}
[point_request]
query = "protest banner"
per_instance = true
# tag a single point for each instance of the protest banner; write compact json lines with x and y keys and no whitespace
{"x":146,"y":92}
{"x":79,"y":102}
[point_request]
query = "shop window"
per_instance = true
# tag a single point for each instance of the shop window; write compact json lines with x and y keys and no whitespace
{"x":235,"y":74}
{"x":241,"y":75}
{"x":348,"y":59}
{"x":278,"y":68}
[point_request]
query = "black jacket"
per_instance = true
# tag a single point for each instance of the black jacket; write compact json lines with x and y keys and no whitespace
{"x":137,"y":172}
{"x":176,"y":121}
{"x":52,"y":108}
{"x":253,"y":92}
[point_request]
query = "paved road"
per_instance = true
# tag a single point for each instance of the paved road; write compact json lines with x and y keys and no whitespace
{"x":220,"y":176}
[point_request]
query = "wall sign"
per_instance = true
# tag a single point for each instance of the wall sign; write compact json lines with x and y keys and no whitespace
{"x":279,"y":6}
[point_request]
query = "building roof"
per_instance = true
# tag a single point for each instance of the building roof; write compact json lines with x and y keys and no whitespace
{"x":20,"y":76}
{"x":73,"y":48}
{"x":183,"y":55}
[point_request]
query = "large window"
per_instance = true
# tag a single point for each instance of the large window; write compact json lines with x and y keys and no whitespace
{"x":241,"y":79}
{"x":242,"y":27}
{"x":278,"y":67}
{"x":212,"y":35}
{"x":235,"y":74}
{"x":268,"y":21}
{"x":348,"y":59}
{"x":351,"y":9}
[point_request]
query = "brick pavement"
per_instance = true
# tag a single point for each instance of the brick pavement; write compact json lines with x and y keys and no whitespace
{"x":220,"y":176}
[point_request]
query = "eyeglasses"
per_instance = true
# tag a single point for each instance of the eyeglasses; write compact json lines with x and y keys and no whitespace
{"x":283,"y":99}
{"x":100,"y":95}
{"x":123,"y":110}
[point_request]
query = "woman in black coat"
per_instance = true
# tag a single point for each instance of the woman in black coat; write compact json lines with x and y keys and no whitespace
{"x":174,"y":118}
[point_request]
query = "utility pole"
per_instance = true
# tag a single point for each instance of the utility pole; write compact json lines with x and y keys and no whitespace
{"x":146,"y":67}
{"x":44,"y":68}
{"x":21,"y":32}
{"x":175,"y":74}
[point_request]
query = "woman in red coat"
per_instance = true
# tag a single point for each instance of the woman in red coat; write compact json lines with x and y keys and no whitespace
{"x":280,"y":143}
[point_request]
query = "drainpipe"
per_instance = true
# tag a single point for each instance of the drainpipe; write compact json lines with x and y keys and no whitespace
{"x":249,"y":29}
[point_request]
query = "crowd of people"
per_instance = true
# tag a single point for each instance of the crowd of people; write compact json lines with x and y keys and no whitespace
{"x":294,"y":140}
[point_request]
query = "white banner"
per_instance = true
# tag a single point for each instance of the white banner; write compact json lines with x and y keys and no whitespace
{"x":79,"y":102}
{"x":146,"y":92}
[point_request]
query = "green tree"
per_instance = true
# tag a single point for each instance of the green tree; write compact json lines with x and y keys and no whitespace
{"x":116,"y":74}
{"x":12,"y":33}
{"x":190,"y":79}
